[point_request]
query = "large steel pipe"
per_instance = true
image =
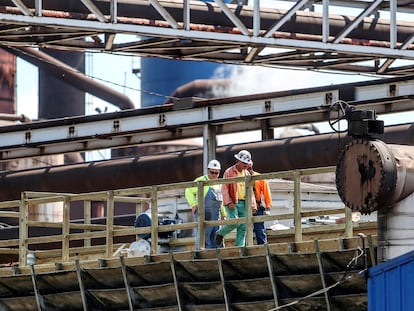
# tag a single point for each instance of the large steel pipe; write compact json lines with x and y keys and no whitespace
{"x":269,"y":156}
{"x":209,"y":13}
{"x":71,"y":76}
{"x":372,"y":175}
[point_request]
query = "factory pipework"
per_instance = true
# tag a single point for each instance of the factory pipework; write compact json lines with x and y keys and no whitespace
{"x":71,"y":76}
{"x":372,"y":176}
{"x":199,"y":88}
{"x":269,"y":156}
{"x":209,"y":13}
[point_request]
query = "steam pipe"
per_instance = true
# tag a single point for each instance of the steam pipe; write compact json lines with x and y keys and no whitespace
{"x":200,"y":88}
{"x":269,"y":156}
{"x":68,"y":74}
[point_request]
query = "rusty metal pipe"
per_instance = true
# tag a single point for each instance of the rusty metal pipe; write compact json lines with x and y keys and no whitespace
{"x":269,"y":156}
{"x":68,"y":74}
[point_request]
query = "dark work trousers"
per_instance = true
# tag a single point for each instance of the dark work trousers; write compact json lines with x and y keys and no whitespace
{"x":259,"y":228}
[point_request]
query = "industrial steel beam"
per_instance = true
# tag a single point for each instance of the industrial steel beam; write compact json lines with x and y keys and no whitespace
{"x":218,"y":31}
{"x":184,"y":120}
{"x":269,"y":156}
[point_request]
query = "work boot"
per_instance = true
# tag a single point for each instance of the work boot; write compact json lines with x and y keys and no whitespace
{"x":219,"y":240}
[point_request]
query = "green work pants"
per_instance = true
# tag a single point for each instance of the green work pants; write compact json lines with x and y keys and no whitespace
{"x":238,"y":212}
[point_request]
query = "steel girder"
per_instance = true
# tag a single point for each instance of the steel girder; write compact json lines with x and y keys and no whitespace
{"x":226,"y":115}
{"x":304,"y":35}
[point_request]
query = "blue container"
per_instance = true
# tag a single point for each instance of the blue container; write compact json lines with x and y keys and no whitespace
{"x":391,"y":284}
{"x":160,"y":77}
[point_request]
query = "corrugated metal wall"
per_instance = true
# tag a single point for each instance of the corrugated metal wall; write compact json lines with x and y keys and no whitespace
{"x":391,"y":285}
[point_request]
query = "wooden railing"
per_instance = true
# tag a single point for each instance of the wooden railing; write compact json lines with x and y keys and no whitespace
{"x":86,"y":232}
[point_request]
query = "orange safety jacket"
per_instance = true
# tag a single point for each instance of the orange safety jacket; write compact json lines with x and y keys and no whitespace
{"x":229,"y":191}
{"x":262,"y":192}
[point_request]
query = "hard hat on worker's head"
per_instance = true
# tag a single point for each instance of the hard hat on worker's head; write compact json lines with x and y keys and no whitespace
{"x":244,"y":156}
{"x":214,"y":164}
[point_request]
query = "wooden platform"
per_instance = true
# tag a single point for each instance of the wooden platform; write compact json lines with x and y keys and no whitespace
{"x":251,"y":278}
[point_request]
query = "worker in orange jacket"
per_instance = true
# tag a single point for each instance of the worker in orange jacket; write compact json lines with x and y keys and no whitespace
{"x":263,"y":198}
{"x":234,"y":196}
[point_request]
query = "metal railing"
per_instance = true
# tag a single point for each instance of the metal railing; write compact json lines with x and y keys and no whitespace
{"x":75,"y":239}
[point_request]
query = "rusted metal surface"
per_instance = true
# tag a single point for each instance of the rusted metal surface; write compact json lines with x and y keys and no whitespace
{"x":210,"y":14}
{"x":366,"y":175}
{"x":7,"y":82}
{"x":372,"y":175}
{"x":355,"y":42}
{"x":269,"y":156}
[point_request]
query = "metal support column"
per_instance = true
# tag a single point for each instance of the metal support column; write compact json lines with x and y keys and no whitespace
{"x":271,"y":275}
{"x":223,"y":280}
{"x":81,"y":285}
{"x":209,"y":145}
{"x":371,"y":251}
{"x":267,"y":131}
{"x":129,"y":290}
{"x":322,"y":273}
{"x":39,"y":298}
{"x":176,"y":285}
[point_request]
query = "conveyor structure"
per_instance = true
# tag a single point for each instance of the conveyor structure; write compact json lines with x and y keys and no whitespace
{"x":354,"y":36}
{"x":202,"y":118}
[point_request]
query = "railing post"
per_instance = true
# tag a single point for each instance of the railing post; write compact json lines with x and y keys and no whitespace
{"x":87,"y":220}
{"x":201,"y":215}
{"x":23,"y":229}
{"x":297,"y":207}
{"x":30,"y":198}
{"x":110,"y":207}
{"x":249,"y":213}
{"x":138,"y":208}
{"x":154,"y":220}
{"x":65,"y":229}
{"x":349,"y":231}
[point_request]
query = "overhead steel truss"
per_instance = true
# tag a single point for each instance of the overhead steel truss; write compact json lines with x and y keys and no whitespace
{"x":368,"y":36}
{"x":205,"y":118}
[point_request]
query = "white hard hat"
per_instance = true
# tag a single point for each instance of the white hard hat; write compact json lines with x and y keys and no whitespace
{"x":214,"y":164}
{"x":244,"y":156}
